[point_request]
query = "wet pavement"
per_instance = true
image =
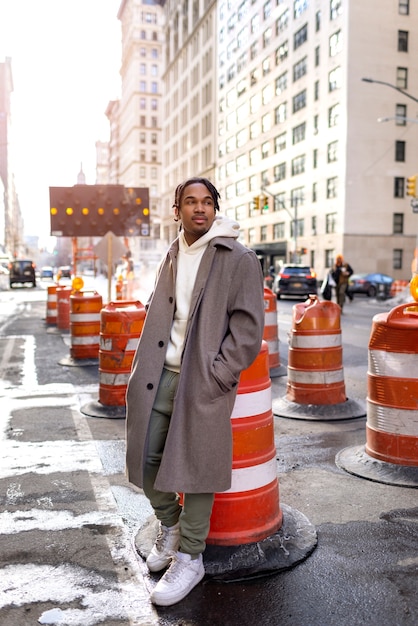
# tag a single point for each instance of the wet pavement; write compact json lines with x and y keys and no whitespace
{"x":68,"y":517}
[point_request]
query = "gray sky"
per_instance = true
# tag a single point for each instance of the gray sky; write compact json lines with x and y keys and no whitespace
{"x":66,"y":57}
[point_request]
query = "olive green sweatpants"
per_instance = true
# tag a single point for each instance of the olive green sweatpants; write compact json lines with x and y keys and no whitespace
{"x":194,"y":515}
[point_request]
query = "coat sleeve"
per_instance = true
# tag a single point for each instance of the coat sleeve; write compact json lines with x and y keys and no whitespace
{"x":242,"y":341}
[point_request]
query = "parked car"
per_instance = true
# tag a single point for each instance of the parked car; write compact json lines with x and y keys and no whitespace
{"x":371,"y":285}
{"x":64,"y":272}
{"x":295,"y":280}
{"x":22,"y":271}
{"x":47,"y":272}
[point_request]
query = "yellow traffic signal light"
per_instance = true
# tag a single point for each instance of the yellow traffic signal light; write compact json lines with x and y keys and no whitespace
{"x":411,"y":186}
{"x":256,"y":201}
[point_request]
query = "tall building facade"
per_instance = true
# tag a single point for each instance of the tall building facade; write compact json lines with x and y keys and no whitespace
{"x":134,"y":151}
{"x":298,"y":130}
{"x":11,"y":223}
{"x":190,"y":99}
{"x":266,"y":98}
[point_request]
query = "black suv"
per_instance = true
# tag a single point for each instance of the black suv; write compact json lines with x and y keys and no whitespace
{"x":22,"y":271}
{"x":295,"y":280}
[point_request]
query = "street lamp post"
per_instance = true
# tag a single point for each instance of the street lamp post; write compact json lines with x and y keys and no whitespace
{"x":294,"y":218}
{"x":381,"y":82}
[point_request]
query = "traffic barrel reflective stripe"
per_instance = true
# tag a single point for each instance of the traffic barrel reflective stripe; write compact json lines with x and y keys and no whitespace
{"x":120,"y":329}
{"x":51,"y":305}
{"x":271,"y":331}
{"x":250,"y":510}
{"x":315,"y":369}
{"x":63,"y":307}
{"x":85,"y":307}
{"x":398,"y":286}
{"x":392,"y":400}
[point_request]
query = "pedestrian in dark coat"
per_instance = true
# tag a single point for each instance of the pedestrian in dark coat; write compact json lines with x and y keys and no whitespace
{"x":204,"y":325}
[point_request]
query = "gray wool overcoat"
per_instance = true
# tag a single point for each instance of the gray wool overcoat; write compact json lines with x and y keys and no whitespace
{"x":223,"y":337}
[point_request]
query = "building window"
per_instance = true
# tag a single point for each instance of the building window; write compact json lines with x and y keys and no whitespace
{"x":402,"y":41}
{"x":332,"y":188}
{"x":330,"y":222}
{"x":298,"y":165}
{"x":142,"y":69}
{"x":403,"y":7}
{"x":142,"y":103}
{"x":317,"y":56}
{"x":333,"y":115}
{"x":254,"y":130}
{"x":399,"y":187}
{"x":299,"y":6}
{"x":400,"y":148}
{"x":281,"y":83}
{"x":263,"y":233}
{"x":142,"y":138}
{"x":267,"y":10}
{"x":316,"y":90}
{"x":280,"y":113}
{"x":315,"y":159}
{"x":300,"y":69}
{"x":267,"y":37}
{"x":314,"y":198}
{"x":279,"y":172}
{"x":335,"y":9}
{"x":317,"y":21}
{"x":397,"y":259}
{"x":332,"y":155}
{"x":265,"y":149}
{"x":334,"y":79}
{"x":266,"y":122}
{"x":142,"y":120}
{"x":298,"y":133}
{"x":400,"y":114}
{"x":315,"y":124}
{"x":300,"y":37}
{"x":278,"y":231}
{"x":266,"y":66}
{"x":402,"y":77}
{"x":142,"y":85}
{"x":282,"y":52}
{"x":299,"y":101}
{"x":335,"y":44}
{"x":279,"y":201}
{"x":280,"y":143}
{"x":398,"y":223}
{"x":282,"y":22}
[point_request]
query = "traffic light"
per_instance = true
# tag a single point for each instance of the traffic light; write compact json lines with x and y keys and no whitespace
{"x":94,"y":210}
{"x":411,"y":186}
{"x":256,"y":201}
{"x":265,"y":203}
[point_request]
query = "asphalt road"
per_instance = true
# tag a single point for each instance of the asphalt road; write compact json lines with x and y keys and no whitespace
{"x":68,"y":517}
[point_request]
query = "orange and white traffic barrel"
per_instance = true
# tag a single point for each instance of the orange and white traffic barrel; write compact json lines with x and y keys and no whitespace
{"x":85,"y":307}
{"x":315,"y":386}
{"x":271,"y":333}
{"x":390,"y":455}
{"x":392,"y":401}
{"x":397,"y":287}
{"x":250,"y":510}
{"x":51,"y":305}
{"x":63,"y":307}
{"x":120,"y":328}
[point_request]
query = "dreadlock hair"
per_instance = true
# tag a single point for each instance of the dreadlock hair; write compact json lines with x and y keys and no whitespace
{"x":192,"y":181}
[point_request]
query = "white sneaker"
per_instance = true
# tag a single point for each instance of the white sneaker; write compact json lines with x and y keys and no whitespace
{"x":183,"y":574}
{"x":166,"y":544}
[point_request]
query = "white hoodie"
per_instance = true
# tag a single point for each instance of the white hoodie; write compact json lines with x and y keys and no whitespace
{"x":188,"y":262}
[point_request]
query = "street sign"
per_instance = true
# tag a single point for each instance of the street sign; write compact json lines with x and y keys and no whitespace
{"x":94,"y":210}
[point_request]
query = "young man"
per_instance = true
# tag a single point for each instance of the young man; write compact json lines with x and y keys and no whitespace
{"x":204,"y":325}
{"x":341,"y":273}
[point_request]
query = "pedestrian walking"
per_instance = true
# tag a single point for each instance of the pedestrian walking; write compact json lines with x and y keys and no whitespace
{"x":341,"y":272}
{"x":204,"y":325}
